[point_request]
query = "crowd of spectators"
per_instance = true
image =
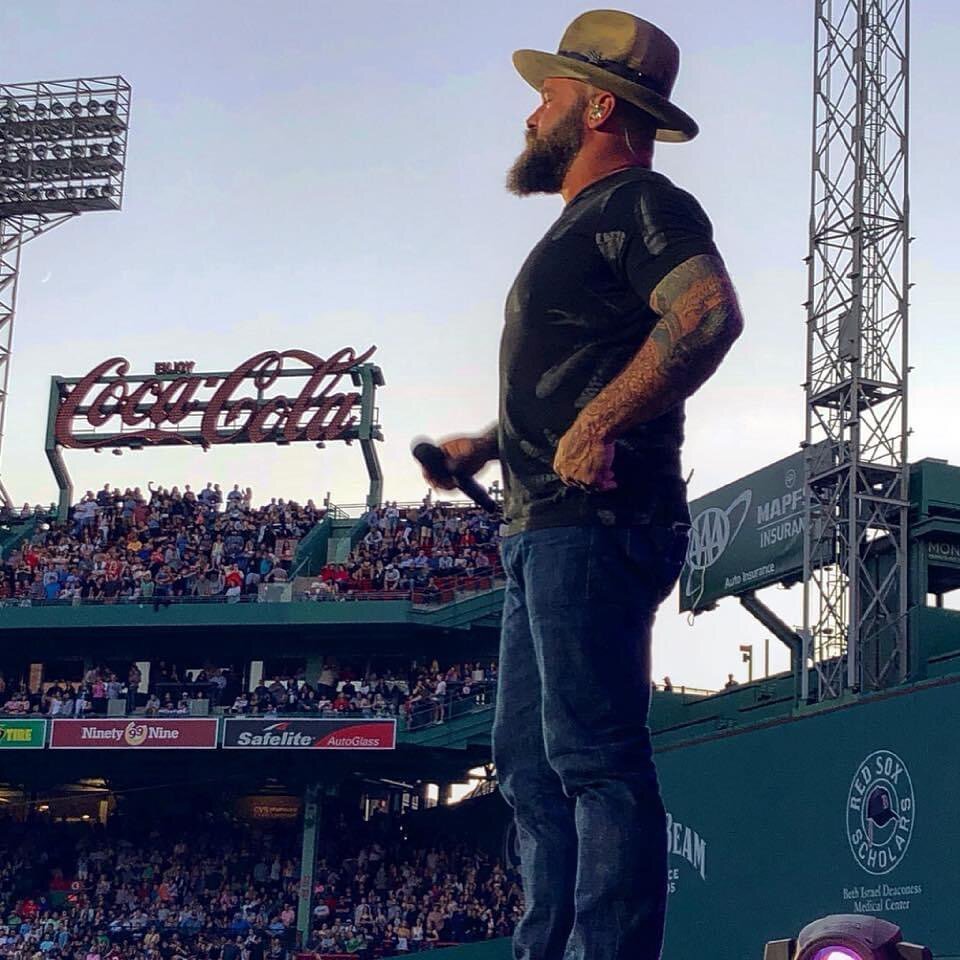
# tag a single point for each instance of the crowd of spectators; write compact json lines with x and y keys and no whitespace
{"x":15,"y":515}
{"x":425,"y":694}
{"x":173,"y":544}
{"x":399,"y":901}
{"x":215,"y":887}
{"x":153,"y":548}
{"x":414,"y":549}
{"x":420,"y":694}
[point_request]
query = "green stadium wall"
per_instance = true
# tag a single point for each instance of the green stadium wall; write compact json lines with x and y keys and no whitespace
{"x":764,"y":820}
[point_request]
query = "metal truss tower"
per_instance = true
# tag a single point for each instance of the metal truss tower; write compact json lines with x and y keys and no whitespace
{"x":63,"y":147}
{"x":856,"y":376}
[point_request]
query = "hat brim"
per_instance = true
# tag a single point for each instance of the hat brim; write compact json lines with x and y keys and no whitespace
{"x":536,"y":65}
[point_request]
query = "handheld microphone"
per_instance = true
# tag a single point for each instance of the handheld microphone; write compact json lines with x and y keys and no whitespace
{"x":434,"y":459}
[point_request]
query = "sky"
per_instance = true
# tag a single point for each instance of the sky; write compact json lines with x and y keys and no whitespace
{"x":316,"y":175}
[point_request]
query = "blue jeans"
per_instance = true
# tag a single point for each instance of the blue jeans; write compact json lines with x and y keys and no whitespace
{"x":571,"y":742}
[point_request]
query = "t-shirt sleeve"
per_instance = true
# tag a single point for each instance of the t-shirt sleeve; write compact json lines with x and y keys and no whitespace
{"x":665,"y":227}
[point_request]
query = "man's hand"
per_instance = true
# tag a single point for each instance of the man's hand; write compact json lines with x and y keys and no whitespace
{"x":465,"y":455}
{"x":585,"y":459}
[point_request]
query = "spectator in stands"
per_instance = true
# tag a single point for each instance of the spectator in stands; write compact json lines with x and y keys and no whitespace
{"x":439,"y":698}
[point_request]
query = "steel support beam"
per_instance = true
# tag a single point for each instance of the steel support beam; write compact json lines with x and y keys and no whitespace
{"x":11,"y":243}
{"x":308,"y":863}
{"x":790,"y":638}
{"x":856,"y":380}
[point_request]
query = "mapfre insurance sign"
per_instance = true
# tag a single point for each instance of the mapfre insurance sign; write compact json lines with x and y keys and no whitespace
{"x":143,"y":733}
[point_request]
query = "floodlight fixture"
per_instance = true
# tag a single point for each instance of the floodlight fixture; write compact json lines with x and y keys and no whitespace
{"x":87,"y":119}
{"x":63,"y":146}
{"x":847,"y":936}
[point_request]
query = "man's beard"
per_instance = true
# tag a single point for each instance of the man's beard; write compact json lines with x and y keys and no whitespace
{"x":543,"y":165}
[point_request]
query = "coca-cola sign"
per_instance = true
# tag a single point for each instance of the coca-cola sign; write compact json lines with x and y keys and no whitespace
{"x":251,"y":404}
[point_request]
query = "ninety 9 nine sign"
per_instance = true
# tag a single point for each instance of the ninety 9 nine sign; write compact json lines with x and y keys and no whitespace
{"x":141,"y":734}
{"x":311,"y":734}
{"x":254,"y":403}
{"x":745,"y":535}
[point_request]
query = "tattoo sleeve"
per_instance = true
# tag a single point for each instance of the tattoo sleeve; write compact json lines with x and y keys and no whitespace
{"x":699,"y":321}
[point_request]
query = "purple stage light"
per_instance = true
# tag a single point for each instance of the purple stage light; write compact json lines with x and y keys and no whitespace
{"x":837,"y":953}
{"x":847,"y":936}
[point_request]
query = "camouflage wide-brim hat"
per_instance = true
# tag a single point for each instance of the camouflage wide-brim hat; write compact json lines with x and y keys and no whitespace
{"x":622,"y":54}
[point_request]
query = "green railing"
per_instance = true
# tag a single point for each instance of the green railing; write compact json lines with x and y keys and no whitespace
{"x":312,"y":550}
{"x":14,"y":532}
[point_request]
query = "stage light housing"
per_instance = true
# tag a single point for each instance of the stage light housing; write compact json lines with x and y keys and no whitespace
{"x":69,"y":136}
{"x":847,"y":937}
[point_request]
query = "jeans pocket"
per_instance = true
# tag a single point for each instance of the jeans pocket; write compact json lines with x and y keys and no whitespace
{"x":662,"y":550}
{"x":674,"y":556}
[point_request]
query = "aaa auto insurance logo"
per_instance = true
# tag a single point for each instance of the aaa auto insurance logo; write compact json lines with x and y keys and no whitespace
{"x":711,"y":532}
{"x":880,"y":812}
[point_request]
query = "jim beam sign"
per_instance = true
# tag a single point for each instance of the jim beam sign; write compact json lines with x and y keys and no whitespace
{"x":253,"y":403}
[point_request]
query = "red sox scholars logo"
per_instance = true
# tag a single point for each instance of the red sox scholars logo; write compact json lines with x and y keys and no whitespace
{"x":880,"y":812}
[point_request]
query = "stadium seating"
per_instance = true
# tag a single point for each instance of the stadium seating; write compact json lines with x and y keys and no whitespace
{"x":428,"y":552}
{"x":423,"y":695}
{"x":176,"y":546}
{"x":171,"y":544}
{"x":135,"y":889}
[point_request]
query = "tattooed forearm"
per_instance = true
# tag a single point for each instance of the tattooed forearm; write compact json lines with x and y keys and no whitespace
{"x":700,"y":319}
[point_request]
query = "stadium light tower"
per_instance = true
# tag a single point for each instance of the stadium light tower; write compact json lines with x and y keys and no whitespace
{"x":856,"y":377}
{"x":63,"y":146}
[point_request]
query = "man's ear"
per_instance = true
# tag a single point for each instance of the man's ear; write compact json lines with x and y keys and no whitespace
{"x":601,"y":108}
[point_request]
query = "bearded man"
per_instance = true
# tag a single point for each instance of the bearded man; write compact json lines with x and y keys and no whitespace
{"x":619,"y":314}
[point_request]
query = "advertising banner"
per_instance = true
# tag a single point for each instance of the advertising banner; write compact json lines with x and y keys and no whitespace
{"x":850,"y":811}
{"x":22,"y":734}
{"x":746,"y":535}
{"x":146,"y":733}
{"x":268,"y":807}
{"x":189,"y":406}
{"x":314,"y":733}
{"x":943,"y":552}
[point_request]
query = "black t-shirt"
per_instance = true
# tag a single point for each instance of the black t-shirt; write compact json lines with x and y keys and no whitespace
{"x":576,"y":315}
